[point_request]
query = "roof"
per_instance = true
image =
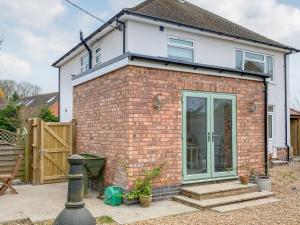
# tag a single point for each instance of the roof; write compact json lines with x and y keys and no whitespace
{"x":295,"y":112}
{"x":195,"y":16}
{"x":39,"y":100}
{"x":190,"y":16}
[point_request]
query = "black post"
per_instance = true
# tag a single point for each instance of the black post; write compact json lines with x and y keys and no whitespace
{"x":75,"y":213}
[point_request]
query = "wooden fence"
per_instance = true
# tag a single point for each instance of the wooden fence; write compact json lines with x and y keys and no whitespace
{"x":50,"y":144}
{"x":295,"y":136}
{"x":11,"y":146}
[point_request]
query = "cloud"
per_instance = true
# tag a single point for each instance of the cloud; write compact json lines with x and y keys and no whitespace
{"x":117,"y":5}
{"x":32,"y":13}
{"x":12,"y":65}
{"x":46,"y":47}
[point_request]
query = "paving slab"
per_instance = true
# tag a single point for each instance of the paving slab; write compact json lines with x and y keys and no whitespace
{"x":215,"y":188}
{"x":242,"y":205}
{"x":44,"y":202}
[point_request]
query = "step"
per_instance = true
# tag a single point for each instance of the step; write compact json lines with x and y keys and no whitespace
{"x":243,"y":205}
{"x":222,"y":200}
{"x":209,"y":191}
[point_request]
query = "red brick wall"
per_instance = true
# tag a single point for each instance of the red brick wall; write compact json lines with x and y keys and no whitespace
{"x":116,"y":118}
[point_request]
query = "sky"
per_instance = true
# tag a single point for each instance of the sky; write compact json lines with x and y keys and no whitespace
{"x":37,"y":32}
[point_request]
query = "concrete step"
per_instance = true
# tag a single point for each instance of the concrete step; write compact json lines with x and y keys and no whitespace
{"x":210,"y":191}
{"x":242,"y":205}
{"x":222,"y":200}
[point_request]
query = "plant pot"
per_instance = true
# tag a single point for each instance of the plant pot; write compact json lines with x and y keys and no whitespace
{"x":145,"y":201}
{"x":244,"y":179}
{"x":130,"y":202}
{"x":264,"y":183}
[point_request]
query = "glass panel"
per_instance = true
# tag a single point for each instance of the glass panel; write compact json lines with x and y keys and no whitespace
{"x":177,"y":41}
{"x":270,"y":126}
{"x":196,"y":135}
{"x":223,"y":135}
{"x":180,"y":53}
{"x":84,"y":60}
{"x":254,"y":56}
{"x":254,"y":66}
{"x":239,"y":59}
{"x":270,"y":66}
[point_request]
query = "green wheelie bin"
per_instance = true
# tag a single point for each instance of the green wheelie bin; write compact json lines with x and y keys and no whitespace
{"x":93,"y":168}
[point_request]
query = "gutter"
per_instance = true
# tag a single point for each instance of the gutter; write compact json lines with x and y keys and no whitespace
{"x":266,"y":127}
{"x":88,"y":49}
{"x":286,"y":105}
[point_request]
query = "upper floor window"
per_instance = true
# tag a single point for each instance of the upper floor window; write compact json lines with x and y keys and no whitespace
{"x":84,"y":63}
{"x":181,"y":49}
{"x":255,"y":62}
{"x":97,"y":55}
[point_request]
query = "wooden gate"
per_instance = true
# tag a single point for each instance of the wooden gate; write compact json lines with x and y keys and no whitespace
{"x":52,"y":143}
{"x":295,"y":136}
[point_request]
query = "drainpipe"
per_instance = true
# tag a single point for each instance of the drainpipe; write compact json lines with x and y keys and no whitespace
{"x":124,"y":33}
{"x":286,"y":105}
{"x":88,"y":49}
{"x":266,"y":126}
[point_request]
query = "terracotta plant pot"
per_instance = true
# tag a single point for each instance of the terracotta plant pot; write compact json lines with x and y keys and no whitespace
{"x":145,"y":201}
{"x":244,"y":179}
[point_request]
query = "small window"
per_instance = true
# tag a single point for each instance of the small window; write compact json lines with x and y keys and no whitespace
{"x":29,"y":102}
{"x":98,"y":55}
{"x":181,"y":49}
{"x":271,"y":112}
{"x":270,"y":67}
{"x":245,"y":60}
{"x":51,"y":99}
{"x":84,"y":63}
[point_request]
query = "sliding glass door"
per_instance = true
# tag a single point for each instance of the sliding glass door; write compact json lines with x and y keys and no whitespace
{"x":209,"y":140}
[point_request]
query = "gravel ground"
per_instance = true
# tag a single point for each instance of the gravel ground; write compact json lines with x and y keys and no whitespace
{"x":285,"y":184}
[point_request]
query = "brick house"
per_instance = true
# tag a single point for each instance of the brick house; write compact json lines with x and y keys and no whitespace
{"x":191,"y":89}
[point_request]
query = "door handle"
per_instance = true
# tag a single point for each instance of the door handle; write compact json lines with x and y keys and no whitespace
{"x":213,"y":137}
{"x":208,"y":136}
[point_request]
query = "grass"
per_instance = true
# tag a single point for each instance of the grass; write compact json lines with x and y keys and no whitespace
{"x":104,"y":220}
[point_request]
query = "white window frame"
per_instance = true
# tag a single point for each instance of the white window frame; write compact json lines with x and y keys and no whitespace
{"x":273,"y":114}
{"x":256,"y":60}
{"x":181,"y":46}
{"x":100,"y":53}
{"x":84,"y":68}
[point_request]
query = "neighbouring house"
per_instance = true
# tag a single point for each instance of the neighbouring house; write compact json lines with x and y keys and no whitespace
{"x":167,"y":81}
{"x":31,"y":106}
{"x":295,"y":131}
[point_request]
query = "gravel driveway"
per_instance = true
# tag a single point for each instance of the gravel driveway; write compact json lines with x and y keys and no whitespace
{"x":285,"y":212}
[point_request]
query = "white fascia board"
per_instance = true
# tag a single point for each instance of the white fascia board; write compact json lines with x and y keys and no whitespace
{"x":195,"y":31}
{"x":101,"y":72}
{"x":155,"y":65}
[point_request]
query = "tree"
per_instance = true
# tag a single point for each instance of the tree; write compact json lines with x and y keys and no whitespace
{"x":10,"y":117}
{"x":22,"y":89}
{"x":47,"y":116}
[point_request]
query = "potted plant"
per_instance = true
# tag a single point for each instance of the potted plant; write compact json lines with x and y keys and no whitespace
{"x":245,"y":176}
{"x":264,"y":183}
{"x":263,"y":180}
{"x":143,"y":187}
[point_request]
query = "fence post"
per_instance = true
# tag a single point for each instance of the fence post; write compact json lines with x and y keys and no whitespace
{"x":26,"y":158}
{"x":74,"y":136}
